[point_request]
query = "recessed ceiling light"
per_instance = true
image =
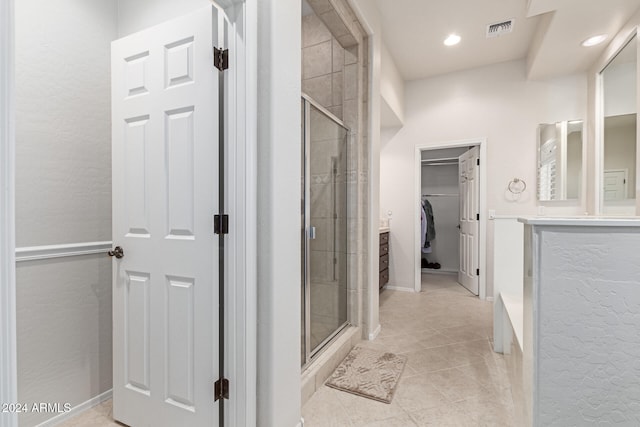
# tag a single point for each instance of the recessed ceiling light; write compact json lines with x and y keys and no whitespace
{"x":452,"y":40}
{"x":592,"y":41}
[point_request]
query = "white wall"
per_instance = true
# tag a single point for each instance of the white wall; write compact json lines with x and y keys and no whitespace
{"x":63,"y":195}
{"x":496,"y":102}
{"x":136,"y":15}
{"x":279,"y":224}
{"x":391,"y":84}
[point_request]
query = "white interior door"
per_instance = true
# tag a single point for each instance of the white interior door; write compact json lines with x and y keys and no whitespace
{"x":165,"y":193}
{"x":469,"y":172}
{"x":615,"y":185}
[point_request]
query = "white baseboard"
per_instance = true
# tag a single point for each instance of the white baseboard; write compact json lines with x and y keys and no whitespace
{"x":399,"y":288}
{"x":490,"y":299}
{"x":77,"y":410}
{"x":374,"y":334}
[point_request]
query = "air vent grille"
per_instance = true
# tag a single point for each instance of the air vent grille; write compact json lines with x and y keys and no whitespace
{"x":500,"y":28}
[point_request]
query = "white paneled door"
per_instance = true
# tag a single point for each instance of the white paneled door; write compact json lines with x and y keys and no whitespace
{"x":615,"y":184}
{"x":165,"y":194}
{"x":469,"y":172}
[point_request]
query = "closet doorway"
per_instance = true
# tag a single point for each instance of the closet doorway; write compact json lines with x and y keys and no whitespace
{"x":450,"y":227}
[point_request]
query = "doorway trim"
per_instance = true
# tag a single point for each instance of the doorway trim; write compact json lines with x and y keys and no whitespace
{"x":482,"y":256}
{"x":241,"y":325}
{"x":8,"y":346}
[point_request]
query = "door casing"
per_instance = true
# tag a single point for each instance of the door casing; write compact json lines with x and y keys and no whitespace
{"x":482,"y":143}
{"x":241,"y":186}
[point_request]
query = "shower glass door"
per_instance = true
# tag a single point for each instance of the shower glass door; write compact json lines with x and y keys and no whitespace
{"x":324,"y":236}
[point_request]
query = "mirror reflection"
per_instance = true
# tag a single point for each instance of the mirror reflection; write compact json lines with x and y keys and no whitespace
{"x":620,"y":111}
{"x":560,"y":160}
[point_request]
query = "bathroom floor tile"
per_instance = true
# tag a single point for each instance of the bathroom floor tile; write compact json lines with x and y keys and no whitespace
{"x":452,"y":376}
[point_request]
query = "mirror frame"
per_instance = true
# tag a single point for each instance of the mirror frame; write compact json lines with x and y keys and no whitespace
{"x":599,"y":122}
{"x":583,"y":168}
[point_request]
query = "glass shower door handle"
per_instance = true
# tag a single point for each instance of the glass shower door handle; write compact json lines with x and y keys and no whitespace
{"x":312,"y":233}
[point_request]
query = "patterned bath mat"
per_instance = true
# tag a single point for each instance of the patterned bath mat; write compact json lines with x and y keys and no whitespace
{"x":369,"y":373}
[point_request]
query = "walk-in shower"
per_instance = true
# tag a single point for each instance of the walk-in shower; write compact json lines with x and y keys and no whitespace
{"x":324,"y":234}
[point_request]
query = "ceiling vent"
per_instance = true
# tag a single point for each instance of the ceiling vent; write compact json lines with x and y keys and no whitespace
{"x":499,"y":28}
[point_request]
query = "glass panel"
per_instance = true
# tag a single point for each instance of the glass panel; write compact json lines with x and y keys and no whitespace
{"x":327,"y":218}
{"x":620,"y":109}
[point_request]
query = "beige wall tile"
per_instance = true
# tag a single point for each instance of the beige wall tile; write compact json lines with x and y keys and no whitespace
{"x":336,"y":111}
{"x":316,"y":60}
{"x":351,"y":55}
{"x":337,"y":83}
{"x":319,"y":88}
{"x":320,"y":6}
{"x":314,"y":31}
{"x":351,"y":82}
{"x":338,"y":56}
{"x":334,"y":23}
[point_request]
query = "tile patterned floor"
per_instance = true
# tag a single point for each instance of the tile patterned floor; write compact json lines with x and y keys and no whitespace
{"x":98,"y":416}
{"x":452,"y":377}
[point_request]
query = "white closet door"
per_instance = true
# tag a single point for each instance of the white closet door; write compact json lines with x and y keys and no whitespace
{"x":165,"y":193}
{"x":469,"y":224}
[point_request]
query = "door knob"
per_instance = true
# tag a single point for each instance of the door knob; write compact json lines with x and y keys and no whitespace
{"x":117,"y":252}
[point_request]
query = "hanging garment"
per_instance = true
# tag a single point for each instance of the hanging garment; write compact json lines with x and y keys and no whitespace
{"x":431,"y":226}
{"x":424,"y":244}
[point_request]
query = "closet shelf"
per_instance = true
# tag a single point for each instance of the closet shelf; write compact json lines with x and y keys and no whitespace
{"x":440,"y":195}
{"x":452,"y":160}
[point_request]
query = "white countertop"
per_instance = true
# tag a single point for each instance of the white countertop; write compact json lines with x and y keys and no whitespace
{"x":384,"y":229}
{"x":582,"y":221}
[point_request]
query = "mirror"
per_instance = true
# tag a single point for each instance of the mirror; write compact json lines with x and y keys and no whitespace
{"x":560,"y":160}
{"x":619,"y":132}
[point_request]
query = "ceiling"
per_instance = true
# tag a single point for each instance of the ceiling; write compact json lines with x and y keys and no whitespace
{"x":548,"y":33}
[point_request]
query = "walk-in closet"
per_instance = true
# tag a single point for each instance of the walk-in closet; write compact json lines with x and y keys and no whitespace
{"x":449,"y":201}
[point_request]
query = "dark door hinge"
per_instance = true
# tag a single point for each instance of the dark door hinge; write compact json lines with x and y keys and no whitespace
{"x":477,"y":271}
{"x":478,"y":217}
{"x":221,"y":224}
{"x":478,"y":162}
{"x":221,"y":389}
{"x":221,"y":58}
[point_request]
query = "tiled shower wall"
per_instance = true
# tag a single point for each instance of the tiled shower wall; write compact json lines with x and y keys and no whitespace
{"x":322,"y":65}
{"x":335,"y":74}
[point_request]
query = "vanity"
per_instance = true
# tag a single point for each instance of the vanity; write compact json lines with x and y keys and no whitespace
{"x":576,"y":359}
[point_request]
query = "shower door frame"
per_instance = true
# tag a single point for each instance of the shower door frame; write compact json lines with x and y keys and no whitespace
{"x":308,"y":353}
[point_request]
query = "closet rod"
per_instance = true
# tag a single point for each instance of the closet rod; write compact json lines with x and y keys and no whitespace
{"x":441,"y":164}
{"x":444,"y":159}
{"x":440,"y":195}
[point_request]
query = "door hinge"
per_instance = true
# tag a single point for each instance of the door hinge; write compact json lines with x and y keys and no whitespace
{"x":221,"y":389}
{"x":221,"y":224}
{"x":477,"y":271}
{"x":477,"y":217}
{"x":478,"y":162}
{"x":220,"y":58}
